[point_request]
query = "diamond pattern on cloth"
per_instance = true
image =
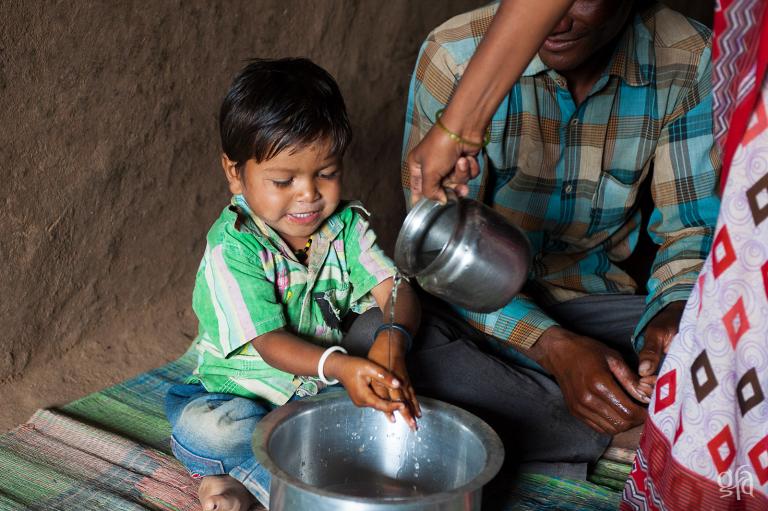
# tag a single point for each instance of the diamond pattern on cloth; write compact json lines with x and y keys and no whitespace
{"x":757,"y":125}
{"x":736,"y":322}
{"x":749,"y":392}
{"x":722,"y":449}
{"x":679,"y":426}
{"x":758,"y":455}
{"x":724,"y":256}
{"x":704,"y":380}
{"x":764,"y":270}
{"x":666,"y":388}
{"x":757,"y":196}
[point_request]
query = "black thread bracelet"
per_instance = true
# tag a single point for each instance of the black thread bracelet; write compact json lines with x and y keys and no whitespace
{"x":398,"y":327}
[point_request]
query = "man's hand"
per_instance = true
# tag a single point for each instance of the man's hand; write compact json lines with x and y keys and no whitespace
{"x":384,"y":353}
{"x":595,"y":380}
{"x":438,"y":162}
{"x":658,"y":336}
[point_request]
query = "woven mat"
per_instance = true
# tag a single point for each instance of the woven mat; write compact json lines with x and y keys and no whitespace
{"x":110,"y":450}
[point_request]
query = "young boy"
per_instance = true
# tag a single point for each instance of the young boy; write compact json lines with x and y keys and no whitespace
{"x":285,"y":264}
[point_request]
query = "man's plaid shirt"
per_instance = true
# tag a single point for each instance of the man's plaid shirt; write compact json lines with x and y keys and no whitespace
{"x":570,"y":175}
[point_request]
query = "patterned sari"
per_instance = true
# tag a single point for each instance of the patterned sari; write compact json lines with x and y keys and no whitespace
{"x":705,"y":442}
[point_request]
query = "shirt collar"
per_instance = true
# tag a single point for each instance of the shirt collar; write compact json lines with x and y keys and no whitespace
{"x":630,"y":60}
{"x":255,"y":225}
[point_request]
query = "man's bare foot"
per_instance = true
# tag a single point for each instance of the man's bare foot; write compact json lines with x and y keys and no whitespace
{"x":224,"y":493}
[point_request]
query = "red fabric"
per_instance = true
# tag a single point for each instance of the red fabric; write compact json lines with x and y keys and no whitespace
{"x":737,"y":119}
{"x":679,"y":487}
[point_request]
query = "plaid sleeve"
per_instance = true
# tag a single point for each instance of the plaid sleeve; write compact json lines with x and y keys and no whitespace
{"x":683,"y":186}
{"x":520,"y":323}
{"x":233,"y":299}
{"x":432,"y":85}
{"x":368,"y":264}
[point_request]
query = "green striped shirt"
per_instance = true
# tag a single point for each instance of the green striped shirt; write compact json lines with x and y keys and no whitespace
{"x":250,"y":283}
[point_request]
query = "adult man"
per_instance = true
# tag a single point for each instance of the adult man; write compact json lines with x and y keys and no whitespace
{"x":617,"y":99}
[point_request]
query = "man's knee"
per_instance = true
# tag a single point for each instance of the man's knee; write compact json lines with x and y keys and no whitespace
{"x":358,"y":338}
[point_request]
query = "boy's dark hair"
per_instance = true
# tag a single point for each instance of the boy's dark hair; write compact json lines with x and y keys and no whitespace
{"x":275,"y":104}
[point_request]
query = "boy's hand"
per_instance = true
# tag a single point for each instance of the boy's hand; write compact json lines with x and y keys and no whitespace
{"x":385,"y":353}
{"x":358,"y":376}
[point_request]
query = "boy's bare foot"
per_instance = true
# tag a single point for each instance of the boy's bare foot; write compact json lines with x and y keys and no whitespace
{"x":224,"y":493}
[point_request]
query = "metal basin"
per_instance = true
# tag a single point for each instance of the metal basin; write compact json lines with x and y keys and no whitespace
{"x":463,"y":252}
{"x":326,"y":454}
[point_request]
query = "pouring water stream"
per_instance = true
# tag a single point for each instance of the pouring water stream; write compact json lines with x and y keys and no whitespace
{"x":393,"y":300}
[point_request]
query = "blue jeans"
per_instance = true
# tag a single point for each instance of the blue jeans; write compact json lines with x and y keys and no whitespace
{"x":211,"y":434}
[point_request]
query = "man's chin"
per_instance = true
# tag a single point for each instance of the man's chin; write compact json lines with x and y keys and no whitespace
{"x":561,"y":62}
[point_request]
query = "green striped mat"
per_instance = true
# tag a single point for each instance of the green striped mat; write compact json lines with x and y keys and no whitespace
{"x":110,"y":450}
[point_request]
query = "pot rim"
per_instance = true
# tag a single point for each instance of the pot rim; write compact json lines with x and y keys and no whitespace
{"x":494,"y":449}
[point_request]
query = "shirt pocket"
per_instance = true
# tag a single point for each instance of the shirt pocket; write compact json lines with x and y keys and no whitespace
{"x":615,"y":197}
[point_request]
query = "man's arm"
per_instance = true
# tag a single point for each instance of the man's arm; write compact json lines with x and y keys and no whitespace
{"x":684,"y":190}
{"x":518,"y":29}
{"x":595,"y":380}
{"x":519,"y":324}
{"x":432,"y":85}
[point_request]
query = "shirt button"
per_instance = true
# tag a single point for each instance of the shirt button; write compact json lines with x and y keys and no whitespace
{"x":574,"y":122}
{"x":568,"y":188}
{"x":560,"y":82}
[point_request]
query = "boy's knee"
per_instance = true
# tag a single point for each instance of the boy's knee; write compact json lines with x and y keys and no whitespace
{"x":212,"y":424}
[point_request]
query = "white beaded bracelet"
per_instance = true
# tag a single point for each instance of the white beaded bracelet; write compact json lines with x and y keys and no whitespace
{"x":321,"y":363}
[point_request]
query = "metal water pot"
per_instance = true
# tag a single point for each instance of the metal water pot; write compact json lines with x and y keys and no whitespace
{"x":326,"y":454}
{"x":463,"y":252}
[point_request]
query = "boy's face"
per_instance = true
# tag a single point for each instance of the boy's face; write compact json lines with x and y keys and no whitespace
{"x":294,"y":192}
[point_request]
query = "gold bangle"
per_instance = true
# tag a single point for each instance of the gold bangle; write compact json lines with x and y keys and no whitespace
{"x":458,"y":138}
